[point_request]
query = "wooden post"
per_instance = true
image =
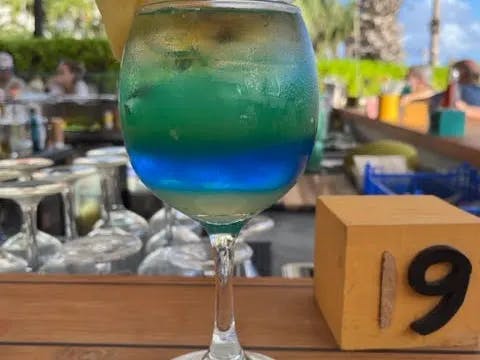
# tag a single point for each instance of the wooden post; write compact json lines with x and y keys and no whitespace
{"x":435,"y":34}
{"x":39,"y":16}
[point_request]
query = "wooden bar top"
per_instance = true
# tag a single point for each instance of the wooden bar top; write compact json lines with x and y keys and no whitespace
{"x":466,"y":149}
{"x":120,"y":318}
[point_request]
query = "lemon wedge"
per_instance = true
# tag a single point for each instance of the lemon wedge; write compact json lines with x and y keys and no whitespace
{"x":117,"y":17}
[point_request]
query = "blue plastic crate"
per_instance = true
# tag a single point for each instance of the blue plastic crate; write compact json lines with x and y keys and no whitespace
{"x":460,"y":186}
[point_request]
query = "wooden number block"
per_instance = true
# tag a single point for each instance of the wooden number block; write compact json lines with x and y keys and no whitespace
{"x":397,"y":272}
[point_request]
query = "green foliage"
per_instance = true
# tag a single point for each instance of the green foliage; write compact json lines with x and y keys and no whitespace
{"x":371,"y":74}
{"x":72,"y":18}
{"x":329,"y":22}
{"x":65,"y":18}
{"x":41,"y":56}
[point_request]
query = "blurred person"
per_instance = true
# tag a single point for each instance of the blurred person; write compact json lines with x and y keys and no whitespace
{"x":10,"y":85}
{"x":36,"y":84}
{"x":418,"y":85}
{"x":469,"y":88}
{"x":68,"y":80}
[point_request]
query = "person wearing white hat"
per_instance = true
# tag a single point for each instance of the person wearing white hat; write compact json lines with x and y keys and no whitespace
{"x":10,"y":84}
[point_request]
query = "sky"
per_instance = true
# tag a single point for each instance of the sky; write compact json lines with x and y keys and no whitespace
{"x":460,"y":30}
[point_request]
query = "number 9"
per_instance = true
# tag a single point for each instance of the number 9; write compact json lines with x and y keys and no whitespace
{"x":453,"y":286}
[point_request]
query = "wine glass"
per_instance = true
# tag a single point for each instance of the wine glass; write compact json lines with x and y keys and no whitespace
{"x":219,"y":104}
{"x":30,"y":244}
{"x":69,"y":174}
{"x":6,"y":175}
{"x":108,"y":151}
{"x":114,"y":219}
{"x":177,"y":229}
{"x":190,"y":259}
{"x":10,"y":263}
{"x":98,"y":254}
{"x":170,"y":216}
{"x":122,"y":216}
{"x":25,"y":165}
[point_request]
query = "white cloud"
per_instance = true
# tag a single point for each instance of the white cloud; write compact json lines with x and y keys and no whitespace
{"x":460,"y":30}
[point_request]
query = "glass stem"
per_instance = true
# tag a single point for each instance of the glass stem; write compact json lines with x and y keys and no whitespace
{"x":169,"y":224}
{"x":107,"y":179}
{"x":29,"y":228}
{"x":115,"y":195}
{"x":68,"y":197}
{"x":224,"y":344}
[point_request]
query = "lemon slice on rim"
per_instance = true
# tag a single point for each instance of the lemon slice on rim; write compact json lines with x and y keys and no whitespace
{"x":117,"y":17}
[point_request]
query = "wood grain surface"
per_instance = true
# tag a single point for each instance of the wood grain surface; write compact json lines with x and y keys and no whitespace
{"x":119,"y":318}
{"x":10,"y":352}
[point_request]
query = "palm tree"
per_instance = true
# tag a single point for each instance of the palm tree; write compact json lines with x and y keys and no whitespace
{"x":380,"y":33}
{"x":39,"y":16}
{"x":329,"y":22}
{"x":435,"y":34}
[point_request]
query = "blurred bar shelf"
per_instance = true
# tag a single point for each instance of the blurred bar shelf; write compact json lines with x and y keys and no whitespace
{"x":433,"y":149}
{"x":94,"y":138}
{"x":151,"y":318}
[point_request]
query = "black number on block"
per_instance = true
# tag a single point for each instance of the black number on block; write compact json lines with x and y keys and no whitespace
{"x":453,"y":286}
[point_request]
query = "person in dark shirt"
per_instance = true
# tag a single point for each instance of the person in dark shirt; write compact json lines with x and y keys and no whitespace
{"x":469,"y":89}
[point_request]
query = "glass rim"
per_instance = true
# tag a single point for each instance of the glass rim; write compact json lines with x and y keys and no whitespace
{"x":275,"y":5}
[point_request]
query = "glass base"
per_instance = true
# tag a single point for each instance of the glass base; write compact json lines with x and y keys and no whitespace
{"x":18,"y":245}
{"x":181,"y":235}
{"x":129,"y":222}
{"x":158,"y":221}
{"x":203,"y":355}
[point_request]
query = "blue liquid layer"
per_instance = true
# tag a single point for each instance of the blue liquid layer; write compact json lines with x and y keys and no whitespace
{"x":262,"y":169}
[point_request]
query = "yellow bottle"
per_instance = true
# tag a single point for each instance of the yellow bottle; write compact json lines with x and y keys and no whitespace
{"x":389,"y":108}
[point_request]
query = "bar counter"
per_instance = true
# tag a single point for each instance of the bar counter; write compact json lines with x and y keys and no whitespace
{"x":466,"y":149}
{"x":157,"y":318}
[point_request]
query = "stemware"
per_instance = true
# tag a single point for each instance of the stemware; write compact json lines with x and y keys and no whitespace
{"x":6,"y":175}
{"x":68,"y":174}
{"x":34,"y":246}
{"x":108,"y":151}
{"x":10,"y":263}
{"x":97,"y":254}
{"x":7,"y":216}
{"x":168,"y":216}
{"x":219,"y":109}
{"x":114,"y":219}
{"x":189,"y":259}
{"x":25,"y":165}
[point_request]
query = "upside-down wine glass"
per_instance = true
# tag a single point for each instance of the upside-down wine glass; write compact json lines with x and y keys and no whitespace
{"x":113,"y":213}
{"x":28,"y":244}
{"x":219,"y":107}
{"x":123,"y":217}
{"x":69,"y":174}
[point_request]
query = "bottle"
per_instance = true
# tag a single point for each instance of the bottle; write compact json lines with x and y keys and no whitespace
{"x":452,"y":93}
{"x":34,"y":131}
{"x":108,"y":120}
{"x":37,"y":129}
